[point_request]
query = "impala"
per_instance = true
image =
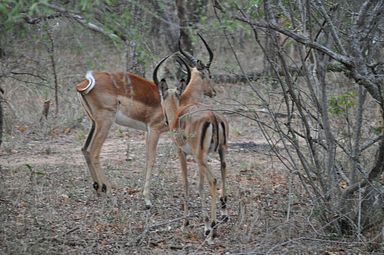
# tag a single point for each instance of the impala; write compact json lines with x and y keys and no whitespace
{"x":128,"y":100}
{"x":198,"y":131}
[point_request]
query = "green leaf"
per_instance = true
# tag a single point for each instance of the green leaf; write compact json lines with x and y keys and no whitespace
{"x":40,"y":173}
{"x":33,"y":9}
{"x":255,"y":2}
{"x":29,"y":167}
{"x":341,"y":104}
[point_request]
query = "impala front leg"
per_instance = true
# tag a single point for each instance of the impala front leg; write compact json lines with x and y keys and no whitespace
{"x":151,"y":140}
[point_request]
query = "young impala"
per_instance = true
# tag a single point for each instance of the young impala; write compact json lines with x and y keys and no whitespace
{"x":198,"y":131}
{"x":128,"y":100}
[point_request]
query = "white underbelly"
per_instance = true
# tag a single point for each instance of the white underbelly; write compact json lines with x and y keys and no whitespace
{"x":123,"y":120}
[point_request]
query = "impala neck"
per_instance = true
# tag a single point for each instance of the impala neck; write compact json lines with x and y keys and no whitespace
{"x":170,"y":107}
{"x":194,"y":91}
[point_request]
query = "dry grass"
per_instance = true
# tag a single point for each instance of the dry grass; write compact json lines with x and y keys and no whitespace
{"x":48,"y":207}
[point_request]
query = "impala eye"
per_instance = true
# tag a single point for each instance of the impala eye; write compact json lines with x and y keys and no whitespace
{"x":206,"y":74}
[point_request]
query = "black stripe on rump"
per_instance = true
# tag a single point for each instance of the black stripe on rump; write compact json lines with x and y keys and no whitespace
{"x":203,"y":133}
{"x":92,"y":131}
{"x":216,"y":131}
{"x":224,"y":133}
{"x":90,"y":136}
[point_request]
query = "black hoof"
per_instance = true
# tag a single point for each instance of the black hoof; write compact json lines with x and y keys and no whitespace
{"x":224,"y":218}
{"x":96,"y":186}
{"x":223,"y":201}
{"x":214,"y":234}
{"x":208,"y":232}
{"x":104,"y":188}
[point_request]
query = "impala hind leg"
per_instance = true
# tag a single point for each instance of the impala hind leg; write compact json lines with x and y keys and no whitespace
{"x":151,"y":140}
{"x":94,"y":142}
{"x":223,"y":196}
{"x":209,"y":222}
{"x":184,"y":177}
{"x":86,"y":154}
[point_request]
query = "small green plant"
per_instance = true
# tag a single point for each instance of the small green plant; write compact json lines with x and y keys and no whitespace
{"x":244,"y":166}
{"x":120,"y":132}
{"x":341,"y":104}
{"x":34,"y":172}
{"x":80,"y":135}
{"x":162,"y":171}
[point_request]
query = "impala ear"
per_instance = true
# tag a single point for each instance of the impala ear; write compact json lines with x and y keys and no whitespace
{"x":163,"y":86}
{"x":180,"y":89}
{"x":182,"y":62}
{"x":200,"y":66}
{"x":155,"y":80}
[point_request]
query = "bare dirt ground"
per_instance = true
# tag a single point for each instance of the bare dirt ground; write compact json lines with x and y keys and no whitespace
{"x":48,"y":206}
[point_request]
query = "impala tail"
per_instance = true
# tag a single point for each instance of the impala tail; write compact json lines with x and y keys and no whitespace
{"x":87,"y":85}
{"x":84,"y":87}
{"x":213,"y":132}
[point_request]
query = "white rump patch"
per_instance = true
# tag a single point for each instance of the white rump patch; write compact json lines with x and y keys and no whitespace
{"x":91,"y":83}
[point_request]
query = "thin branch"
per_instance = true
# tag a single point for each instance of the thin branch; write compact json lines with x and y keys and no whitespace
{"x":37,"y":20}
{"x":332,"y":26}
{"x":374,"y":173}
{"x":84,"y":22}
{"x":30,"y":82}
{"x":371,"y":142}
{"x":29,"y":74}
{"x":51,"y":51}
{"x":357,"y":131}
{"x":346,"y":60}
{"x":155,"y":226}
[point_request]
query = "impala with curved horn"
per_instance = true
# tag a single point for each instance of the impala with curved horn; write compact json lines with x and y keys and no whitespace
{"x":200,"y":75}
{"x":198,"y":131}
{"x":128,"y":100}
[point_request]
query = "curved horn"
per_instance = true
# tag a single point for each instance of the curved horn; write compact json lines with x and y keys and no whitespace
{"x":188,"y":56}
{"x":188,"y":69}
{"x":209,"y":50}
{"x":181,"y":64}
{"x":155,"y":79}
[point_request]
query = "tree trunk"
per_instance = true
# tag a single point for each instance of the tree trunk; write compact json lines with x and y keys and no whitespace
{"x":186,"y":41}
{"x":1,"y":115}
{"x":51,"y":52}
{"x":270,"y":46}
{"x":169,"y":29}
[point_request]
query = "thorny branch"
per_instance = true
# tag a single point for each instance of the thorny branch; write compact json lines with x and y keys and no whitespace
{"x":346,"y":60}
{"x":84,"y":22}
{"x":354,"y":47}
{"x":353,"y":61}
